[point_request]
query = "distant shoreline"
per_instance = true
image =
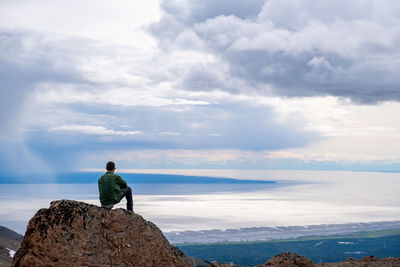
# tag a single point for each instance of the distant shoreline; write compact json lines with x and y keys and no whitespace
{"x":133,"y":178}
{"x":263,"y":234}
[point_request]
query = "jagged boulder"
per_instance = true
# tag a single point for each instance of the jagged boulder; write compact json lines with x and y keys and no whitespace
{"x":72,"y":233}
{"x":289,"y":259}
{"x":216,"y":264}
{"x":368,"y":261}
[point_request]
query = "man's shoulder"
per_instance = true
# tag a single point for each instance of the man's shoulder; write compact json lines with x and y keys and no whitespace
{"x":109,"y":174}
{"x":117,"y":176}
{"x":105,"y":175}
{"x":101,"y":178}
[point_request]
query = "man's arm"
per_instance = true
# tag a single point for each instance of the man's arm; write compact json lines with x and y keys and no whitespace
{"x":121,"y":182}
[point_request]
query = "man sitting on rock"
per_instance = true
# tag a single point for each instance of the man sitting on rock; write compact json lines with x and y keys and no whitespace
{"x":113,"y":189}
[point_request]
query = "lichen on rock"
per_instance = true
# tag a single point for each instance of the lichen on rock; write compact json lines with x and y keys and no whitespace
{"x":79,"y":234}
{"x":289,"y":259}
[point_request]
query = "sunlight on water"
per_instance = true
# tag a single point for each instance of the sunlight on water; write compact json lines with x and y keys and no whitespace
{"x":320,"y":198}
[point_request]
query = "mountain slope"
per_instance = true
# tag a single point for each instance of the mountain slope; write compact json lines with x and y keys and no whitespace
{"x":9,"y":243}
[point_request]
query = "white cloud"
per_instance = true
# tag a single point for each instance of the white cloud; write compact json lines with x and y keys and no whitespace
{"x":319,"y":62}
{"x":92,"y":18}
{"x":151,"y":158}
{"x":129,"y":97}
{"x":246,"y":75}
{"x":170,"y":133}
{"x":92,"y":130}
{"x":279,"y":48}
{"x":306,"y":156}
{"x":214,"y":134}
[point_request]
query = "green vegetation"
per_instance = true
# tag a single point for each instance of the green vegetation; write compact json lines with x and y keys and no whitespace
{"x":383,"y":243}
{"x":368,"y":234}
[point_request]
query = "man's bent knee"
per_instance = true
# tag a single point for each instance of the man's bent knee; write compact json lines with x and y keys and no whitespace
{"x":127,"y":190}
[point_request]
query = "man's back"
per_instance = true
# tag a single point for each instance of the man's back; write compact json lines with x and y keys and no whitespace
{"x":110,"y":188}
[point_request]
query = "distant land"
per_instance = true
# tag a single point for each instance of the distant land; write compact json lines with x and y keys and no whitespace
{"x":320,"y":243}
{"x":320,"y":249}
{"x":132,"y":178}
{"x":254,"y":234}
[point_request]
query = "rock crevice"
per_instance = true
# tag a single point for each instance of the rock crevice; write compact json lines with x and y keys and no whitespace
{"x":86,"y":235}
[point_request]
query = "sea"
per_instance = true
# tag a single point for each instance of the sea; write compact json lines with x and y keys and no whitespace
{"x":181,"y":200}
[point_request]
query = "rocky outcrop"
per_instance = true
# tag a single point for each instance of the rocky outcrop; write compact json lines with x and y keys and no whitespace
{"x":368,"y":261}
{"x":289,"y":259}
{"x":72,"y":233}
{"x":216,"y":264}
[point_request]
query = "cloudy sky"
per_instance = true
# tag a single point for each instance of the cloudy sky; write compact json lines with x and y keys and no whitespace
{"x":281,"y":84}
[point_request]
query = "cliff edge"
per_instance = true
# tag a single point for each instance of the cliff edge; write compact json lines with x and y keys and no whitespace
{"x":80,"y":234}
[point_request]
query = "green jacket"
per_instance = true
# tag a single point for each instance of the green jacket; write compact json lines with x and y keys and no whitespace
{"x":110,"y":188}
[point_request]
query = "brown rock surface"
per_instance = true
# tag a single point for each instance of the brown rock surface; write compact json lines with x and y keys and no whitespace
{"x":216,"y":264}
{"x":289,"y":259}
{"x":72,"y":233}
{"x":369,"y":261}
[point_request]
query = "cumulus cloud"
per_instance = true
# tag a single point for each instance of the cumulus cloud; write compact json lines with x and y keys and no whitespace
{"x":218,"y":75}
{"x":76,"y":108}
{"x":293,"y":48}
{"x":128,"y":97}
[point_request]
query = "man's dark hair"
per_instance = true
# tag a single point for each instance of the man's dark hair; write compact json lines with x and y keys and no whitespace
{"x":110,"y":166}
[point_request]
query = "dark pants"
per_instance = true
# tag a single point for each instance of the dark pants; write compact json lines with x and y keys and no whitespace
{"x":128,"y":195}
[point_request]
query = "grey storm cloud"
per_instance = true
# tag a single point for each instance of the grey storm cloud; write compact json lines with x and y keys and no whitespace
{"x":20,"y":71}
{"x":25,"y":62}
{"x":297,"y":48}
{"x":222,"y":126}
{"x":198,"y":11}
{"x":31,"y":64}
